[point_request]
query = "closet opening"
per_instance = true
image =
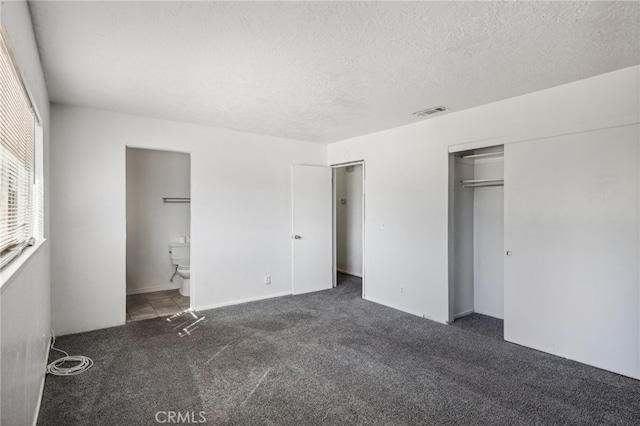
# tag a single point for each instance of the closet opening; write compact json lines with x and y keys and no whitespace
{"x":348,"y":227}
{"x":476,"y":233}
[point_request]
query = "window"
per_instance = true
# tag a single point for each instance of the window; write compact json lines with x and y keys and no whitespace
{"x":20,"y":179}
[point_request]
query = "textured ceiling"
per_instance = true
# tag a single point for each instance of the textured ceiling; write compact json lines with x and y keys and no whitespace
{"x":322,"y":71}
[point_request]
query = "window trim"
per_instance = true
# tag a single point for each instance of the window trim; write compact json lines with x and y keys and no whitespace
{"x":5,"y":40}
{"x":13,"y":269}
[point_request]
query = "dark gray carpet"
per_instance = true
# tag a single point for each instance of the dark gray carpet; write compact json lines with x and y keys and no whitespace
{"x":329,"y":358}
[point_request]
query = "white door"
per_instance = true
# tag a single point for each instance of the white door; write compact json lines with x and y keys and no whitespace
{"x":571,"y":245}
{"x":312,"y":230}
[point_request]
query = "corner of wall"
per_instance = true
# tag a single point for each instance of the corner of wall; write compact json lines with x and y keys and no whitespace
{"x":26,"y":331}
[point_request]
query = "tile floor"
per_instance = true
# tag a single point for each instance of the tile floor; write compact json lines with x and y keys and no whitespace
{"x":156,"y":304}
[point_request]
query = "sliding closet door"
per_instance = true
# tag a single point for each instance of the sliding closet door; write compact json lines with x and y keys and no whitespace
{"x":571,"y":242}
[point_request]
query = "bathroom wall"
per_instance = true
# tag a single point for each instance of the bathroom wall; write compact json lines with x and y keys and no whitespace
{"x":25,"y":284}
{"x":349,"y":220}
{"x":152,"y":224}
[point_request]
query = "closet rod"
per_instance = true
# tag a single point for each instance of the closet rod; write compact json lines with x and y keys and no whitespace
{"x":479,"y":185}
{"x":175,"y":200}
{"x":475,"y":183}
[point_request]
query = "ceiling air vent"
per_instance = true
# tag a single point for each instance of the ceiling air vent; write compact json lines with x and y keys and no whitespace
{"x":429,"y":111}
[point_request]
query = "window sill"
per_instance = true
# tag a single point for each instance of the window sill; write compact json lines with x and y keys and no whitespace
{"x":13,"y":269}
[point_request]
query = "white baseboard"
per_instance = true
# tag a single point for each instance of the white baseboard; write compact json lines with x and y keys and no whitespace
{"x":463,"y":314}
{"x":151,"y":289}
{"x":403,"y":309}
{"x":238,"y":302}
{"x":44,"y":376}
{"x":344,"y":271}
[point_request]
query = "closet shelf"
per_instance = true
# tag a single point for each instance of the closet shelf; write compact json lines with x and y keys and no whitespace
{"x":485,"y":155}
{"x":475,"y":183}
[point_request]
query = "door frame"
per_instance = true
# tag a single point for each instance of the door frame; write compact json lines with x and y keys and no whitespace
{"x":333,"y":201}
{"x":192,"y":290}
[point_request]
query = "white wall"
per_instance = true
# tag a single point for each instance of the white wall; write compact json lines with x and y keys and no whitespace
{"x":25,"y":297}
{"x":406,"y":231}
{"x":349,"y":220}
{"x":25,"y":320}
{"x":463,"y":293}
{"x":152,"y":224}
{"x":488,"y":240}
{"x":240,"y":211}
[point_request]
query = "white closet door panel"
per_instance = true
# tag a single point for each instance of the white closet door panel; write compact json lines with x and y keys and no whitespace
{"x":572,"y":225}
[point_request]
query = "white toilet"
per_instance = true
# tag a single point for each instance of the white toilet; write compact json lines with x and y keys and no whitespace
{"x":181,"y":256}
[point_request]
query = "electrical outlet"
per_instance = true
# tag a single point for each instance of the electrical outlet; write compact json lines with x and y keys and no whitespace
{"x":402,"y":290}
{"x":267,"y":279}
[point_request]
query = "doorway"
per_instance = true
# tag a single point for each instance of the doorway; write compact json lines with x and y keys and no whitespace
{"x":348,"y":225}
{"x":476,"y":214}
{"x":158,"y":220}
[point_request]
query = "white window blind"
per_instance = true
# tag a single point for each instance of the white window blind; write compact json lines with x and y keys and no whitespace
{"x":19,"y":191}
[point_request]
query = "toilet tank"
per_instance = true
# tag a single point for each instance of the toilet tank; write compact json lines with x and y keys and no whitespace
{"x":180,"y":253}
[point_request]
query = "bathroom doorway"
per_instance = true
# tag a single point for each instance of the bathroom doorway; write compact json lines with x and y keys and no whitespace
{"x":348,"y":229}
{"x":158,"y":213}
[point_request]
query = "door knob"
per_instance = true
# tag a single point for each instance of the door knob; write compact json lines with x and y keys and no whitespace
{"x":509,"y":253}
{"x":297,"y":237}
